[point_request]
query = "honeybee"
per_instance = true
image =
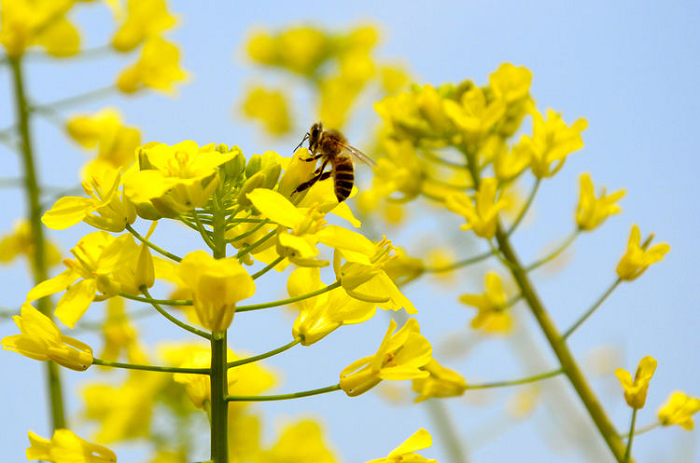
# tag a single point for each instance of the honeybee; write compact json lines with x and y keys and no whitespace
{"x":332,"y":148}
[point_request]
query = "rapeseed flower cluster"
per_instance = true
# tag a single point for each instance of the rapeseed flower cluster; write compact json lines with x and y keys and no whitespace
{"x":452,"y":144}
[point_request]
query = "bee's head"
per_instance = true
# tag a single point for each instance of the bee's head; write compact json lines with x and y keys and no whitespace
{"x":315,"y":134}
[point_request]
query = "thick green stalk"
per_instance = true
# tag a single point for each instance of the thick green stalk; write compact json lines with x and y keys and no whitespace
{"x":39,"y":266}
{"x":566,"y":359}
{"x":219,"y":369}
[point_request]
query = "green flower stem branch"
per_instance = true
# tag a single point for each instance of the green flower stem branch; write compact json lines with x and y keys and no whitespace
{"x":148,"y":300}
{"x":267,"y":268}
{"x":76,"y":100}
{"x":628,"y":450}
{"x":255,"y":245}
{"x":39,"y":265}
{"x":525,"y":208}
{"x":202,"y":231}
{"x":157,"y":249}
{"x":256,"y":358}
{"x":590,"y":311}
{"x":643,"y":430}
{"x":566,"y":359}
{"x":559,"y":249}
{"x":174,"y":320}
{"x":516,"y":382}
{"x":267,"y":305}
{"x":249,"y":232}
{"x":131,"y":366}
{"x":459,"y":263}
{"x":294,"y":395}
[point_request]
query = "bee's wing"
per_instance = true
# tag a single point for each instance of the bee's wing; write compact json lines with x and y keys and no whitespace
{"x":359,"y":155}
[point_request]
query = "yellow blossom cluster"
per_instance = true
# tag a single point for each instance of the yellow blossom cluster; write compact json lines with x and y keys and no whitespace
{"x":339,"y":66}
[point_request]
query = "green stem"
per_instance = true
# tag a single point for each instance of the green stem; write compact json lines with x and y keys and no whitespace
{"x":287,"y":346}
{"x":525,"y":208}
{"x":219,"y":348}
{"x":628,"y":450}
{"x":565,"y":244}
{"x":148,"y":300}
{"x":516,"y":382}
{"x":246,"y":308}
{"x":131,"y":366}
{"x":157,"y":249}
{"x":269,"y":267}
{"x":590,"y":311}
{"x":39,"y":265}
{"x":459,"y":263}
{"x":566,"y":359}
{"x":174,"y":320}
{"x":294,"y":395}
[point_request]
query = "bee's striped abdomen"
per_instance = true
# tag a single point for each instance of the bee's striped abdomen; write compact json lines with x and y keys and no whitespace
{"x":344,"y":177}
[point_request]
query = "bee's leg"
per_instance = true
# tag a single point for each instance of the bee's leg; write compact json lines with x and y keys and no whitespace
{"x":312,"y":182}
{"x":319,"y":176}
{"x":312,"y":158}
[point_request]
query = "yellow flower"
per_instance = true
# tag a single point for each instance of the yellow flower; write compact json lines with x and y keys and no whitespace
{"x":299,"y":442}
{"x":198,"y":387}
{"x":216,"y":285}
{"x":247,"y":379}
{"x":401,"y":355}
{"x":158,"y":68}
{"x":510,"y":83}
{"x":66,"y":447}
{"x":21,"y":242}
{"x":482,"y":213}
{"x":592,"y":211}
{"x":116,"y":143}
{"x":42,"y":340}
{"x":307,"y":229}
{"x":176,"y":178}
{"x":144,"y":19}
{"x":490,"y":305}
{"x":270,"y":108}
{"x":405,"y":452}
{"x":679,"y":409}
{"x":636,"y":391}
{"x":107,"y":208}
{"x":368,"y":281}
{"x":638,"y":257}
{"x":301,"y":49}
{"x":120,"y":335}
{"x":551,"y":142}
{"x":97,"y":256}
{"x":320,"y":315}
{"x":507,"y":165}
{"x":442,"y":382}
{"x":124,"y":411}
{"x":24,"y":23}
{"x":473,"y":115}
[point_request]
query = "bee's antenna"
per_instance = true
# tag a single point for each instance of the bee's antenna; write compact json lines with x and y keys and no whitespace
{"x":306,"y":137}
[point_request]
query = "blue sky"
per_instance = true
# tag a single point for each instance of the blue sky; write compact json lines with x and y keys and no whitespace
{"x":631,"y":69}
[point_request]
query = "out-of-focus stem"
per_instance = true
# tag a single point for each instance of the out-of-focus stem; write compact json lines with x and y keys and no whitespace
{"x":39,"y":266}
